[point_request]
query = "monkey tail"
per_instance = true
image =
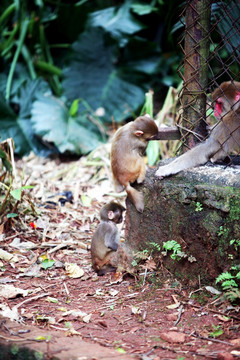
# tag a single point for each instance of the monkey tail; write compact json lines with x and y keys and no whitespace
{"x":136,"y":197}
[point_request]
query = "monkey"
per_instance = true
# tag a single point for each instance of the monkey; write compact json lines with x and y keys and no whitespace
{"x":224,"y":137}
{"x":127,"y":164}
{"x":106,"y":238}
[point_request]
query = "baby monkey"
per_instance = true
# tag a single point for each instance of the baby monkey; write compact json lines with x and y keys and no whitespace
{"x":128,"y":147}
{"x":106,"y":238}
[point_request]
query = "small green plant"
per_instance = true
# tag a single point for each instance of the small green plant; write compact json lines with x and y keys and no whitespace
{"x":230,"y":283}
{"x":155,"y":246}
{"x":173,"y":246}
{"x":217,"y":331}
{"x":235,"y":243}
{"x":47,"y":263}
{"x":221,"y":230}
{"x":199,"y":206}
{"x":139,"y":256}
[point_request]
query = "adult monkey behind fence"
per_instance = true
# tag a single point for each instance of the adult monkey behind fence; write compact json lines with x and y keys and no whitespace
{"x":224,"y":137}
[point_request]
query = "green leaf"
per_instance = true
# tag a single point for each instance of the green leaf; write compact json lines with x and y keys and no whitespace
{"x":152,"y":152}
{"x":228,"y":284}
{"x":14,"y":349}
{"x":11,"y":215}
{"x":143,"y":9}
{"x":224,"y":276}
{"x":40,"y":338}
{"x":27,"y":187}
{"x":118,"y":21}
{"x":52,"y":300}
{"x":216,"y":333}
{"x":99,"y":79}
{"x":74,"y":108}
{"x":86,"y":200}
{"x":5,"y":161}
{"x":10,"y":125}
{"x":16,"y":193}
{"x":121,"y":351}
{"x":51,"y":121}
{"x":46,"y":264}
{"x":18,"y":126}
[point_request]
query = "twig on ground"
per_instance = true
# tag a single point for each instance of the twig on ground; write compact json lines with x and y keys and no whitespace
{"x":32,"y":298}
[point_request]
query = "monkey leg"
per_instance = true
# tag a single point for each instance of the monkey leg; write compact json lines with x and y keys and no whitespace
{"x":136,"y":197}
{"x":103,"y":266}
{"x":142,"y":172}
{"x":117,"y":186}
{"x":199,"y":155}
{"x":106,"y":269}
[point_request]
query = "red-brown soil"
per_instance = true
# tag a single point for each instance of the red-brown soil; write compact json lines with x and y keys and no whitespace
{"x":148,"y":316}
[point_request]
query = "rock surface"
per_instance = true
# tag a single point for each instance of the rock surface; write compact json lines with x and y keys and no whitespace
{"x":198,"y":208}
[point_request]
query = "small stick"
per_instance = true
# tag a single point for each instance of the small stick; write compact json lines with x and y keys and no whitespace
{"x":32,"y":298}
{"x":211,"y":339}
{"x":179,"y":315}
{"x":66,"y":289}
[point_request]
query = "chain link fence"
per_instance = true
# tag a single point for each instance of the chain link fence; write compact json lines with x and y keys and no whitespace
{"x":211,"y":48}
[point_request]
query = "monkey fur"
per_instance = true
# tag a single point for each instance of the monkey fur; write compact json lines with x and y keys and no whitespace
{"x":224,"y":137}
{"x":128,"y":147}
{"x":106,"y":238}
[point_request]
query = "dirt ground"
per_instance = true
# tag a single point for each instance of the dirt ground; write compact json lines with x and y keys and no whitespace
{"x":56,"y":302}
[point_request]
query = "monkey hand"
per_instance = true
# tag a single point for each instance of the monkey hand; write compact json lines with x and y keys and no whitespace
{"x":163,"y":171}
{"x":113,"y":246}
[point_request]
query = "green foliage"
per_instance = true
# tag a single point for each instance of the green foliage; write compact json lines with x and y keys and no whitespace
{"x":103,"y":80}
{"x":199,"y":207}
{"x":230,"y":283}
{"x":235,"y":243}
{"x":73,"y":58}
{"x":12,"y":197}
{"x":153,"y":147}
{"x":155,"y":246}
{"x":5,"y":162}
{"x":18,"y":125}
{"x":217,"y":331}
{"x":119,"y":22}
{"x":12,"y":215}
{"x":52,"y":121}
{"x":173,"y":246}
{"x":47,"y":263}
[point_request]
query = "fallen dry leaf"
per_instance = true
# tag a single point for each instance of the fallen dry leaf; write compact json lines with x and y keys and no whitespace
{"x":73,"y":270}
{"x":10,"y":292}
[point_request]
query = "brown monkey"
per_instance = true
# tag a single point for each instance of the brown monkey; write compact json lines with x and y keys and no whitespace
{"x":224,"y":137}
{"x":106,"y":238}
{"x":127,"y":163}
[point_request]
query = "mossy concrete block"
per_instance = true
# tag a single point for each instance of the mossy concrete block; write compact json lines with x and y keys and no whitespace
{"x":200,"y":209}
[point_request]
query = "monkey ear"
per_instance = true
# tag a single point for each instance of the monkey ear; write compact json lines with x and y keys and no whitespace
{"x":110,"y":215}
{"x":139,"y":132}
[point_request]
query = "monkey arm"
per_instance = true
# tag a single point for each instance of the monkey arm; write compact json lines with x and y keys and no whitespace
{"x":199,"y":155}
{"x":112,"y":238}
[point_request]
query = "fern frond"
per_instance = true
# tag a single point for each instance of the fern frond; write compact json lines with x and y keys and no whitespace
{"x":233,"y":295}
{"x":224,"y":276}
{"x":229,"y":284}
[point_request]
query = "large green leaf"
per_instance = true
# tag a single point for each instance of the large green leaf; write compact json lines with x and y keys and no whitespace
{"x":93,"y":74}
{"x":18,"y":126}
{"x":12,"y":126}
{"x":51,"y":121}
{"x":116,"y":20}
